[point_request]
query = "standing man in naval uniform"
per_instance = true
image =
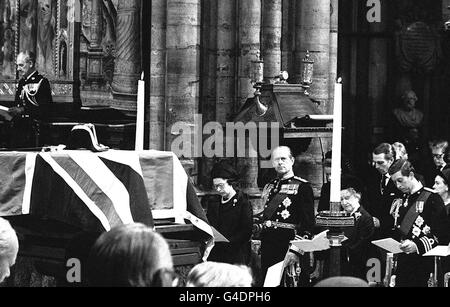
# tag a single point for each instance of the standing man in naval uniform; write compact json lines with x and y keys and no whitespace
{"x":421,"y":223}
{"x":288,"y":210}
{"x":33,"y":91}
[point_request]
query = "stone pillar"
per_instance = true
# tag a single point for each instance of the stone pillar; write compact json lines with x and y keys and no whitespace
{"x":183,"y":73}
{"x":333,"y":50}
{"x":96,"y":24}
{"x":95,"y":50}
{"x":377,"y":83}
{"x":313,"y":34}
{"x":158,"y":74}
{"x":127,"y":67}
{"x":226,"y":59}
{"x":209,"y":80}
{"x":288,"y":37}
{"x":249,"y":46}
{"x":271,"y":38}
{"x":249,"y":50}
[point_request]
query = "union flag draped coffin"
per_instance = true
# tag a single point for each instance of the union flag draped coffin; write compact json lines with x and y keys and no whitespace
{"x":97,"y":191}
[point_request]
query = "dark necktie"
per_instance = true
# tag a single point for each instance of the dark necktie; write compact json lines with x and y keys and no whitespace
{"x":383,"y":183}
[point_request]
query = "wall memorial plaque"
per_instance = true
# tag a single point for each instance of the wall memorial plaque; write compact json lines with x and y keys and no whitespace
{"x":418,"y":48}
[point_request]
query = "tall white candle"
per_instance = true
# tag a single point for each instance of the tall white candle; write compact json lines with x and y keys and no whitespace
{"x":335,"y":189}
{"x":139,"y":143}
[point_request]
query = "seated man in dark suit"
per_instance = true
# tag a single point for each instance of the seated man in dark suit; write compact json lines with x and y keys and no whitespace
{"x":439,"y":151}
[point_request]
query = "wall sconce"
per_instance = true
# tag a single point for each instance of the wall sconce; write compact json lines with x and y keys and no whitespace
{"x":307,"y":72}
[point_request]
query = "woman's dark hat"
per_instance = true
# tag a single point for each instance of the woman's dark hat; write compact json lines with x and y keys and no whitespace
{"x":445,"y":174}
{"x":223,"y":170}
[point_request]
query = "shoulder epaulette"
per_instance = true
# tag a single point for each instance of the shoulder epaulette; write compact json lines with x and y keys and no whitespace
{"x":301,"y":179}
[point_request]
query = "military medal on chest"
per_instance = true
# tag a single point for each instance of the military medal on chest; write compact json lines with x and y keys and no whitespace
{"x":285,"y":214}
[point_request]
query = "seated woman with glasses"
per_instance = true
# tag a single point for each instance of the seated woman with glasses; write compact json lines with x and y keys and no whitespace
{"x":230,"y":213}
{"x":131,"y":255}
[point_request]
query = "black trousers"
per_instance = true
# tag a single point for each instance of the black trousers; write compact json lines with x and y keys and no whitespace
{"x":22,"y":133}
{"x":413,"y":270}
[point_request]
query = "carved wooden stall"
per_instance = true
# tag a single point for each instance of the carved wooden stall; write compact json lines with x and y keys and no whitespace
{"x":49,"y":28}
{"x":91,"y":53}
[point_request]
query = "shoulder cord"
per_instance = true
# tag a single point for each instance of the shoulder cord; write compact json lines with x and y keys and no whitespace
{"x":31,"y":93}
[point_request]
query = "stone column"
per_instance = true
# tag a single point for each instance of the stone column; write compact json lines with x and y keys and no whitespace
{"x":313,"y":34}
{"x":183,"y":75}
{"x":127,"y":67}
{"x":158,"y":74}
{"x":249,"y":50}
{"x":271,"y":38}
{"x":209,"y":80}
{"x":226,"y":59}
{"x":377,"y":83}
{"x":95,"y":50}
{"x":288,"y":37}
{"x":96,"y":24}
{"x":333,"y":50}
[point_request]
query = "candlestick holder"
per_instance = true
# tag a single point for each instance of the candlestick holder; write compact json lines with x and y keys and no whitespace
{"x":335,"y":221}
{"x":307,"y":72}
{"x":257,"y":79}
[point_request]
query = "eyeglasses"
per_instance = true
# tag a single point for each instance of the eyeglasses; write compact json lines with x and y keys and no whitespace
{"x":220,"y":186}
{"x":166,"y":277}
{"x":438,"y":156}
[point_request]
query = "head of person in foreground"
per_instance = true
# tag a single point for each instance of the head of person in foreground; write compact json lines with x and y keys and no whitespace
{"x":131,"y":255}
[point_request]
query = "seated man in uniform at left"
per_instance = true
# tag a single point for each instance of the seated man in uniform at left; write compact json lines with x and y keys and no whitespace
{"x":32,"y":92}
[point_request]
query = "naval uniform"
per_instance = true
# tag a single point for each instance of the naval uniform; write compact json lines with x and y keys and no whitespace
{"x":32,"y":91}
{"x":291,"y":202}
{"x":421,"y":218}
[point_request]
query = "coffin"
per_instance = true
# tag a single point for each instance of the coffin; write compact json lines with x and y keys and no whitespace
{"x":55,"y":198}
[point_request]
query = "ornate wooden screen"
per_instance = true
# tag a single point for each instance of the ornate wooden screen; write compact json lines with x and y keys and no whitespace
{"x":49,"y":28}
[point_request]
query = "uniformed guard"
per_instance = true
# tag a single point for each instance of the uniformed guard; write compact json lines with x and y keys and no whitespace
{"x":32,"y":92}
{"x":421,"y":224}
{"x":288,"y":211}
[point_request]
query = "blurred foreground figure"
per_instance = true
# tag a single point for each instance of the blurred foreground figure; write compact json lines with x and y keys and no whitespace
{"x":9,"y":246}
{"x":131,"y":255}
{"x":216,"y":274}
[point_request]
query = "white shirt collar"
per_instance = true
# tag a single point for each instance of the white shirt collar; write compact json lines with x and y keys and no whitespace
{"x":30,"y":75}
{"x":355,"y":209}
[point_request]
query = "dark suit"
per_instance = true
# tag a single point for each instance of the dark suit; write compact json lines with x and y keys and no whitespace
{"x":358,"y":243}
{"x":234,"y":220}
{"x":429,"y":228}
{"x":288,"y":201}
{"x":380,"y":202}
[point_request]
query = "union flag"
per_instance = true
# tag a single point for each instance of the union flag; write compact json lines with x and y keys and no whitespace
{"x":97,"y":191}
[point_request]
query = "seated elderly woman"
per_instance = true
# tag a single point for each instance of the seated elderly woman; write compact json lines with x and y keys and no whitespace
{"x":9,"y":246}
{"x":131,"y":255}
{"x":359,"y":236}
{"x":218,"y":274}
